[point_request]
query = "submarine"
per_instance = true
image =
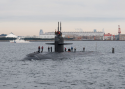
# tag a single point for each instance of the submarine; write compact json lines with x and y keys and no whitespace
{"x":59,"y":52}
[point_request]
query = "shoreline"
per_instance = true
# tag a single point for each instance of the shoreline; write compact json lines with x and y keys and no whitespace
{"x":64,"y":40}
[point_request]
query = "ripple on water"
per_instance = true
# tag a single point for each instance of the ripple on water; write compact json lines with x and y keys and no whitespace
{"x":93,"y":70}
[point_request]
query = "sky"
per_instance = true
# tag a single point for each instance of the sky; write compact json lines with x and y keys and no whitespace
{"x":27,"y":17}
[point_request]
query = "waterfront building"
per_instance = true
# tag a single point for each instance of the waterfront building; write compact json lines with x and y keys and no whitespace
{"x":3,"y":35}
{"x":109,"y":37}
{"x":11,"y":35}
{"x":95,"y":30}
{"x":116,"y":37}
{"x":48,"y":36}
{"x":122,"y":37}
{"x":41,"y":32}
{"x":79,"y":33}
{"x":94,"y":35}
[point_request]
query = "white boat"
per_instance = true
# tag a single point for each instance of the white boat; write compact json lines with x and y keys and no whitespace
{"x":19,"y":40}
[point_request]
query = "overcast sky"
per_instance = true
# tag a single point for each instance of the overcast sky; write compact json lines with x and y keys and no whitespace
{"x":27,"y":17}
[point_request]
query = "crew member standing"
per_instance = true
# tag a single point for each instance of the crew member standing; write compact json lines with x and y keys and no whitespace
{"x":75,"y":49}
{"x":65,"y":49}
{"x":51,"y":48}
{"x":71,"y":48}
{"x":48,"y":49}
{"x":42,"y":49}
{"x":39,"y":49}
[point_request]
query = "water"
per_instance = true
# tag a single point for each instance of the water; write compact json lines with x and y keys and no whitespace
{"x":98,"y":70}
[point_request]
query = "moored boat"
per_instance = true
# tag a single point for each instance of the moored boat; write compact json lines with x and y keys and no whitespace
{"x":19,"y":40}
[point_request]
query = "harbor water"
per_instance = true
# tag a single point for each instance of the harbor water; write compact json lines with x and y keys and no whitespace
{"x":99,"y":69}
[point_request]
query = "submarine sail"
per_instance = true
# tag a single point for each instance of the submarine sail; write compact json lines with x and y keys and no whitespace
{"x":59,"y":41}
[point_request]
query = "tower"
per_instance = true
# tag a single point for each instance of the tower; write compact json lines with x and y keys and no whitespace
{"x":119,"y":32}
{"x":41,"y":32}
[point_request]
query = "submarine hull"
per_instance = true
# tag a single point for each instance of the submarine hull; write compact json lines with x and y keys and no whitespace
{"x":56,"y":55}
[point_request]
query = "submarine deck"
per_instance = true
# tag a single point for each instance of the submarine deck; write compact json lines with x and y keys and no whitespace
{"x":57,"y":55}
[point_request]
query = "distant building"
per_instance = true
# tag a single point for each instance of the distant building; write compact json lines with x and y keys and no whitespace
{"x":48,"y":36}
{"x":109,"y":37}
{"x":11,"y":35}
{"x":79,"y":33}
{"x":95,"y":30}
{"x":3,"y":35}
{"x":116,"y":37}
{"x":41,"y":32}
{"x":76,"y":35}
{"x":122,"y":37}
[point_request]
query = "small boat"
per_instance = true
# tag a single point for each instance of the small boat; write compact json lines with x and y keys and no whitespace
{"x":19,"y":40}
